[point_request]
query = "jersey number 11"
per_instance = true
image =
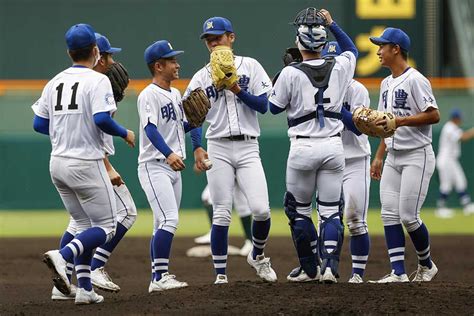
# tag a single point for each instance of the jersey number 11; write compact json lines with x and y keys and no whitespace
{"x":73,"y":105}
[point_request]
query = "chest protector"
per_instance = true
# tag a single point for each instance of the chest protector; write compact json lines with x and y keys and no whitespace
{"x":319,"y":76}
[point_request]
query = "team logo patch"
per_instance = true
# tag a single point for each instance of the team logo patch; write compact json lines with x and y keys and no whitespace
{"x":170,"y":46}
{"x":209,"y":25}
{"x":109,"y":99}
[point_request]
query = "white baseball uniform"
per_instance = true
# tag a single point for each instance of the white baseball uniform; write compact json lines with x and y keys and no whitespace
{"x":240,"y":202}
{"x":356,"y":181}
{"x":161,"y":184}
{"x":450,"y":171}
{"x":69,"y":101}
{"x":315,"y":161}
{"x":235,"y":160}
{"x":410,"y":161}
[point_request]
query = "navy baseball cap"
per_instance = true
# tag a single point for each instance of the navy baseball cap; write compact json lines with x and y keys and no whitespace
{"x":80,"y":36}
{"x":216,"y":26}
{"x":331,"y":49}
{"x":456,"y":113}
{"x":160,"y":49}
{"x":394,"y":36}
{"x":104,"y":45}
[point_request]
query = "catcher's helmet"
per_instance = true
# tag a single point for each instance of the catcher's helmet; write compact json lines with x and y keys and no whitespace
{"x":312,"y":38}
{"x":309,"y":17}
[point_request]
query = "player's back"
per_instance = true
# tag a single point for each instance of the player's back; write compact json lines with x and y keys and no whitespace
{"x":70,"y":101}
{"x":449,"y":145}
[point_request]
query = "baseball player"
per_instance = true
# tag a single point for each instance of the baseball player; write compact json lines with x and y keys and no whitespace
{"x":449,"y":169}
{"x":126,"y":210}
{"x":356,"y":180}
{"x":233,"y":148}
{"x":312,"y":93}
{"x":243,"y":210}
{"x":75,"y":111}
{"x":410,"y":161}
{"x":161,"y":158}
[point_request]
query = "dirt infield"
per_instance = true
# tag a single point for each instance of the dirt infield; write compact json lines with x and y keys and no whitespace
{"x":25,"y":286}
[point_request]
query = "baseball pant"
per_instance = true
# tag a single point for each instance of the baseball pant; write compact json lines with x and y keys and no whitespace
{"x":356,"y":186}
{"x":236,"y":161}
{"x":86,"y":192}
{"x":405,"y":180}
{"x":240,"y":202}
{"x":162,"y":186}
{"x":450,"y":175}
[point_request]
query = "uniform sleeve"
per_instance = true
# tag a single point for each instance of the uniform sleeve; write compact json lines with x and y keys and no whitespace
{"x":281,"y":92}
{"x":358,"y":97}
{"x":147,"y":110}
{"x":193,"y":84}
{"x":455,"y":135}
{"x":422,"y":93}
{"x":260,"y":83}
{"x":347,"y":62}
{"x":102,"y":97}
{"x":41,"y":107}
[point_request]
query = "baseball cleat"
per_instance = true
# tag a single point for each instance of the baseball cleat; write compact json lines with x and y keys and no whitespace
{"x":56,"y":263}
{"x":469,"y":209}
{"x":101,"y":280}
{"x":246,"y":248}
{"x":84,"y":297}
{"x":58,"y":296}
{"x":328,"y":277}
{"x":263,"y":267}
{"x":204,"y":239}
{"x":392,"y":278}
{"x":221,"y":279}
{"x":299,"y":275}
{"x":356,"y":278}
{"x":425,"y":274}
{"x":444,"y":212}
{"x":167,"y":282}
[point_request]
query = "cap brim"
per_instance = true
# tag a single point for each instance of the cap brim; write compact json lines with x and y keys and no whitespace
{"x":378,"y":40}
{"x":113,"y":50}
{"x":217,"y":32}
{"x":173,"y":53}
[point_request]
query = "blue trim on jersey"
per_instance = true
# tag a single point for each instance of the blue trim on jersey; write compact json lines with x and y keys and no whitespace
{"x":275,"y":109}
{"x":41,"y":125}
{"x":348,"y":123}
{"x":157,"y":140}
{"x":343,"y":39}
{"x":156,"y":196}
{"x":257,"y":103}
{"x":421,"y":187}
{"x":105,"y":122}
{"x":79,"y":66}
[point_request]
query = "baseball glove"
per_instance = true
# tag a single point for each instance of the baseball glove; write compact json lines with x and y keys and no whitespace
{"x":223,"y":71}
{"x":119,"y":79}
{"x":365,"y":119}
{"x":196,"y":106}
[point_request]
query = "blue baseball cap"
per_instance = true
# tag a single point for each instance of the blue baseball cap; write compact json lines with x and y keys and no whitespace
{"x":216,"y":26}
{"x":80,"y":36}
{"x":394,"y":36}
{"x":331,"y":49}
{"x":104,"y":45}
{"x":456,"y":113}
{"x":160,"y":49}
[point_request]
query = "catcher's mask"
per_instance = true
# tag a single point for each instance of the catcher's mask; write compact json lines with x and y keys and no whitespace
{"x":310,"y":33}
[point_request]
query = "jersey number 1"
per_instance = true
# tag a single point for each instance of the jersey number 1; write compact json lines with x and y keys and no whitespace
{"x":73,"y":105}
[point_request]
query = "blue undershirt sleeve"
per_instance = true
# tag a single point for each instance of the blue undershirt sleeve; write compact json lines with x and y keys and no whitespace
{"x":41,"y":125}
{"x":196,"y":137}
{"x":348,"y":122}
{"x":257,"y":103}
{"x":105,"y":122}
{"x":157,"y":140}
{"x":275,"y":109}
{"x":343,"y":39}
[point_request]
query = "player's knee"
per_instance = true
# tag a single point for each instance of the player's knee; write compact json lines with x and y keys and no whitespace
{"x":355,"y":224}
{"x":221,"y":217}
{"x":259,"y":208}
{"x":128,"y":221}
{"x":389,"y":219}
{"x":261,"y":216}
{"x":410,"y":223}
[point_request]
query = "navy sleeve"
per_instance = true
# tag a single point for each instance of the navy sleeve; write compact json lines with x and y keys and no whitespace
{"x":257,"y":103}
{"x":41,"y":125}
{"x":348,"y":122}
{"x":196,"y":137}
{"x":343,"y":39}
{"x":275,"y":109}
{"x":105,"y":122}
{"x":157,"y":140}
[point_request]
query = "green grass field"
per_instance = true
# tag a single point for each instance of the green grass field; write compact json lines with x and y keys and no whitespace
{"x":49,"y":223}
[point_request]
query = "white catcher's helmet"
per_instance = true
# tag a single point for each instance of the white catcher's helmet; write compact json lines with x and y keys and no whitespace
{"x":312,"y":38}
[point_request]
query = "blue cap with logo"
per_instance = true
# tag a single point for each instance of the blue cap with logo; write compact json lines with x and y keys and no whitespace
{"x":80,"y":36}
{"x":456,"y":113}
{"x":216,"y":26}
{"x":394,"y":36}
{"x":104,"y":45}
{"x":331,"y":49}
{"x":160,"y":49}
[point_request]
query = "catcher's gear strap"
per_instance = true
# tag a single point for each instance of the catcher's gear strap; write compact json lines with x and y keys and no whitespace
{"x":313,"y":115}
{"x":331,"y":259}
{"x":319,"y":77}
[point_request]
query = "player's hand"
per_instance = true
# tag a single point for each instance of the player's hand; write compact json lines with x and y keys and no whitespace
{"x":115,"y":177}
{"x":175,"y":162}
{"x":199,"y":156}
{"x":376,"y":169}
{"x":196,"y":169}
{"x":130,"y":138}
{"x":327,"y":16}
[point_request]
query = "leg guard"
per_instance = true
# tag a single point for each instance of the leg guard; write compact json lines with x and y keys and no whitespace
{"x":304,"y":236}
{"x":331,"y":258}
